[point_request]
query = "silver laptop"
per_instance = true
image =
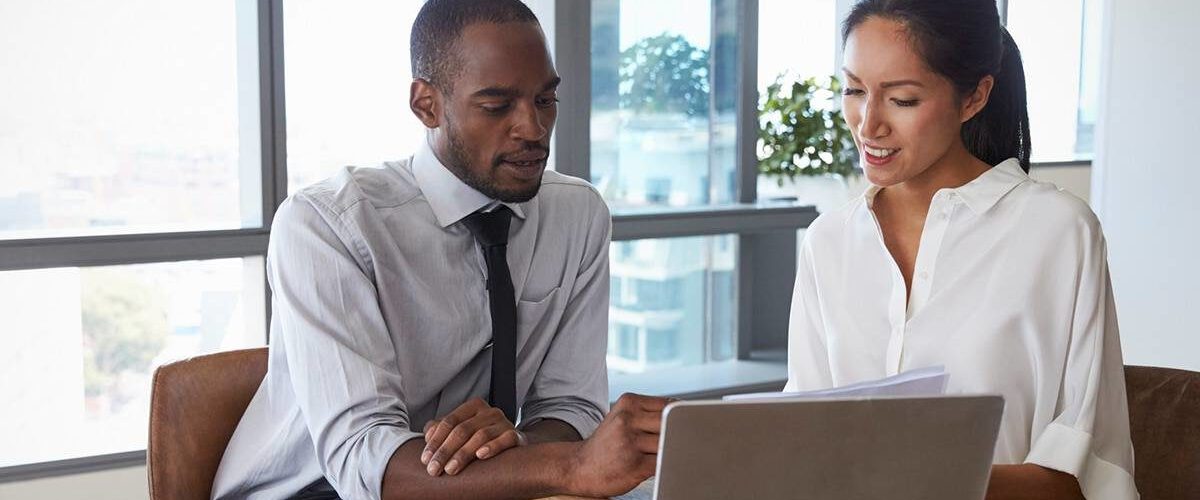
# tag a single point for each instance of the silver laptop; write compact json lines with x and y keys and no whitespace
{"x":899,"y":448}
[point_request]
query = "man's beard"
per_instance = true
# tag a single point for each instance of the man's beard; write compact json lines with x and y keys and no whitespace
{"x":458,"y":162}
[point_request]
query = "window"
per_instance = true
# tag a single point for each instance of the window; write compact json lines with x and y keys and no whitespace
{"x":668,"y":153}
{"x":85,"y":342}
{"x":680,"y":314}
{"x":663,"y":123}
{"x":782,"y":53}
{"x":1062,"y":74}
{"x":138,"y":208}
{"x":132,"y":214}
{"x":348,"y":77}
{"x":108,"y":134}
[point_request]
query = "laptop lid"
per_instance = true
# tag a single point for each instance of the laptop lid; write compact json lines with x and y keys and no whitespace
{"x":899,"y":448}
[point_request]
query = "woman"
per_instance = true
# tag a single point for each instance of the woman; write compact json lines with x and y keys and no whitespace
{"x":955,"y":257}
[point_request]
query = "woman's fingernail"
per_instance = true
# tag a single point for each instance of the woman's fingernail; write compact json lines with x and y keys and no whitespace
{"x":425,"y":456}
{"x":433,"y":468}
{"x":452,"y":467}
{"x":483,"y":452}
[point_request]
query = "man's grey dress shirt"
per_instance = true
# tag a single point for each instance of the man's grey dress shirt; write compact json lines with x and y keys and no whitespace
{"x":380,"y":322}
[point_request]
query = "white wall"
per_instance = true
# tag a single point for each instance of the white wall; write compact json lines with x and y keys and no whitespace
{"x":1073,"y":179}
{"x":1144,"y":179}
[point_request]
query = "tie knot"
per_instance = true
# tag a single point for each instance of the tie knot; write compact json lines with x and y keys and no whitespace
{"x":490,"y":228}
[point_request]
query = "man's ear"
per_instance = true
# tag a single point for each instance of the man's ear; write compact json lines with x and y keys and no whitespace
{"x":978,"y":99}
{"x":426,"y":102}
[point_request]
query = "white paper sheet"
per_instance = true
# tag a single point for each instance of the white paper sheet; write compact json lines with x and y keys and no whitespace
{"x":930,"y":381}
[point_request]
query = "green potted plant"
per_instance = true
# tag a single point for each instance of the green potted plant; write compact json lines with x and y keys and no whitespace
{"x":805,"y":149}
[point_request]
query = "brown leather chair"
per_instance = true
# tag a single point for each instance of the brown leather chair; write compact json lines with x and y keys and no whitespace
{"x":195,"y":405}
{"x":1164,"y":423}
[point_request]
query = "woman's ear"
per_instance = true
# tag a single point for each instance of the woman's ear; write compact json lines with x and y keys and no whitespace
{"x":425,"y":101}
{"x":978,"y":99}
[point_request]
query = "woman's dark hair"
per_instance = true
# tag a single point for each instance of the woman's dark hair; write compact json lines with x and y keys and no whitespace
{"x":963,"y":41}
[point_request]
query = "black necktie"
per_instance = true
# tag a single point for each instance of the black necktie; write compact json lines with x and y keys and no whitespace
{"x":491,"y":231}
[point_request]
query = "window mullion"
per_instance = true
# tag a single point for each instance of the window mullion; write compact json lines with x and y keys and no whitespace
{"x":573,"y":58}
{"x":747,"y":104}
{"x":273,"y":122}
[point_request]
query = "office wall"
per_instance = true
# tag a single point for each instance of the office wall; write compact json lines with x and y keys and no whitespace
{"x":1146,"y":175}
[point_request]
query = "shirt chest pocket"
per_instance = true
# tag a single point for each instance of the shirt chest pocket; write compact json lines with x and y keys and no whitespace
{"x":538,"y":319}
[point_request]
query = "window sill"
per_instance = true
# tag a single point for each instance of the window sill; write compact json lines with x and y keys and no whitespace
{"x":72,"y":466}
{"x":669,"y":222}
{"x":765,"y":371}
{"x":1061,"y":164}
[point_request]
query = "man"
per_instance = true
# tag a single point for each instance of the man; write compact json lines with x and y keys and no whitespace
{"x":418,"y":306}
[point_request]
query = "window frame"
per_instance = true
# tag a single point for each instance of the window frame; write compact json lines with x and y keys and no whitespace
{"x":148,"y":248}
{"x":762,"y":287}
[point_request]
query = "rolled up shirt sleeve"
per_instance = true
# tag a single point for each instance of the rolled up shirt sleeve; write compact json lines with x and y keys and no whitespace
{"x":1089,"y":437}
{"x":572,"y":383}
{"x":343,"y":361}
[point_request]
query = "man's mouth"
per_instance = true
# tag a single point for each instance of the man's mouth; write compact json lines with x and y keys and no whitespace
{"x":526,"y":164}
{"x":534,"y":157}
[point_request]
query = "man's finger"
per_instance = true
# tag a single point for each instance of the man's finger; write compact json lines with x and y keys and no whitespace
{"x":465,"y":455}
{"x":633,"y":401}
{"x":653,"y":403}
{"x":646,"y":443}
{"x":454,"y":440}
{"x":509,"y":439}
{"x":434,"y":439}
{"x":446,"y":424}
{"x":646,"y":421}
{"x":427,"y":453}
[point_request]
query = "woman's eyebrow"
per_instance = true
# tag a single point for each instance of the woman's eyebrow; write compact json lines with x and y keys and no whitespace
{"x":886,"y":85}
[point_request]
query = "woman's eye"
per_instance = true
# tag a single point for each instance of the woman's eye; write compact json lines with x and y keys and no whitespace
{"x":906,"y":103}
{"x":851,"y":92}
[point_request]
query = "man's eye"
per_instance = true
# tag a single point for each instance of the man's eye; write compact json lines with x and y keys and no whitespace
{"x":546,"y":102}
{"x":495,"y":108}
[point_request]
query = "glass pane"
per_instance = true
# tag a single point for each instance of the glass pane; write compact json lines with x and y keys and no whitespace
{"x":782,"y":54}
{"x":1060,"y":47}
{"x":131,"y":116}
{"x":348,"y":75}
{"x":80,"y":346}
{"x":797,"y":42}
{"x":663,"y":124}
{"x":671,"y":302}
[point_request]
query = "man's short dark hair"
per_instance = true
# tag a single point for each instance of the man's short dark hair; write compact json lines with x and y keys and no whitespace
{"x":440,"y":25}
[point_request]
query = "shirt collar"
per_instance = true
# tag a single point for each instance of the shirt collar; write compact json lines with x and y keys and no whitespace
{"x":982,"y":193}
{"x":450,"y":198}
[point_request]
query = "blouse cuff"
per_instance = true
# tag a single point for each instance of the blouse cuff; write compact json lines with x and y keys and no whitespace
{"x":1069,"y":450}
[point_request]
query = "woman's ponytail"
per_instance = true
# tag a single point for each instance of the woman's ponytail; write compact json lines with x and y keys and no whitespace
{"x":1001,"y":130}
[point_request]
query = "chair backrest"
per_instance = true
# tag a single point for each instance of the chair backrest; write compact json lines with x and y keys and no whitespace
{"x":195,"y":405}
{"x":1164,"y":423}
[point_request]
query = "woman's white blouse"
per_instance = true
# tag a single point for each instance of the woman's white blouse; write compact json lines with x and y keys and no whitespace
{"x":1010,"y":293}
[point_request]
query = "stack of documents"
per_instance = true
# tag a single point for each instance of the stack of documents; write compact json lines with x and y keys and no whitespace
{"x":929,"y":381}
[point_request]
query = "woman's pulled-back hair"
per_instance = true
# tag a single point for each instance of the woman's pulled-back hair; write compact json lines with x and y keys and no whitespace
{"x":963,"y":41}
